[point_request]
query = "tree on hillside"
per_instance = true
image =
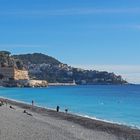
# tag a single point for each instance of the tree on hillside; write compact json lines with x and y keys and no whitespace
{"x":19,"y":64}
{"x":5,"y":53}
{"x":5,"y":57}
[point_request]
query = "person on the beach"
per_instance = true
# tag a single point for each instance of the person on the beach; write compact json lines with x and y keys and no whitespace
{"x":6,"y":102}
{"x":24,"y":111}
{"x":12,"y":107}
{"x":57,"y":108}
{"x":66,"y":110}
{"x":32,"y":103}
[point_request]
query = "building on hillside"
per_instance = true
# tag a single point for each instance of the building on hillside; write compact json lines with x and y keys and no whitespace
{"x":11,"y":73}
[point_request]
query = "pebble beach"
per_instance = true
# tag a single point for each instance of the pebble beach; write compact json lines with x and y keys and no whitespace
{"x":19,"y":121}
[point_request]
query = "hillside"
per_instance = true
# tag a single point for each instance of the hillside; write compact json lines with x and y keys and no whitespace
{"x":37,"y":58}
{"x":44,"y":67}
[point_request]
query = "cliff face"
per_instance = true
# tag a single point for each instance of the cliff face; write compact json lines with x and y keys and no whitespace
{"x":8,"y":73}
{"x":14,"y":74}
{"x":11,"y":69}
{"x":21,"y":74}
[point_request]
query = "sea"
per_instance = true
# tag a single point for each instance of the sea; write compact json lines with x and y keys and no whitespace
{"x":112,"y":103}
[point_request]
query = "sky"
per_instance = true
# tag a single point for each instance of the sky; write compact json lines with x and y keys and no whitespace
{"x":91,"y":34}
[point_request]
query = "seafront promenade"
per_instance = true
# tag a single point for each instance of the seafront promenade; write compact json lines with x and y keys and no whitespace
{"x":20,"y":121}
{"x":61,"y":84}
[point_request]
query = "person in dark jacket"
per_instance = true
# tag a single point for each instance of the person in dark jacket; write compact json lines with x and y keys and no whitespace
{"x":57,"y":108}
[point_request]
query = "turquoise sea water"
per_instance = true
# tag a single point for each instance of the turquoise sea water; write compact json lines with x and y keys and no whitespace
{"x":120,"y":104}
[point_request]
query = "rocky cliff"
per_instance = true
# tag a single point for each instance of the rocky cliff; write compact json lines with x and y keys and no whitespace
{"x":14,"y":74}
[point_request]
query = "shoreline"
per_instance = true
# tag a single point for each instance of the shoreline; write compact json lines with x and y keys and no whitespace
{"x":121,"y":131}
{"x":66,"y":84}
{"x":74,"y":114}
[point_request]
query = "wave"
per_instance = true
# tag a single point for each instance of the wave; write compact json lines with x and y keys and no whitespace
{"x":107,"y":121}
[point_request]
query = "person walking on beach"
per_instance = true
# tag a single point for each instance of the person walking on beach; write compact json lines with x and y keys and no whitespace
{"x":32,"y":103}
{"x":57,"y":108}
{"x":66,"y":110}
{"x":6,"y":102}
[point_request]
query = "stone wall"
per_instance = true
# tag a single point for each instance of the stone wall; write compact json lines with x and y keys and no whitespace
{"x":12,"y":73}
{"x":38,"y":83}
{"x":7,"y":72}
{"x":21,"y":74}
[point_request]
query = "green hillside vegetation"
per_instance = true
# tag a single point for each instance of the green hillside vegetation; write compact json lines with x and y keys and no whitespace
{"x":37,"y":58}
{"x":8,"y":61}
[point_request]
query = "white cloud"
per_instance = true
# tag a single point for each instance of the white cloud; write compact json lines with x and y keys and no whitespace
{"x":137,"y":26}
{"x":115,"y":26}
{"x":70,"y":11}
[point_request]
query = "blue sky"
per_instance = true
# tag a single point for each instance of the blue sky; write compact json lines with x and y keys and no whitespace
{"x":101,"y":34}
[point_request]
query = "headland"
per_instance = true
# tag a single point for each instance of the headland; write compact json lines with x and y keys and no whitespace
{"x":37,"y":70}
